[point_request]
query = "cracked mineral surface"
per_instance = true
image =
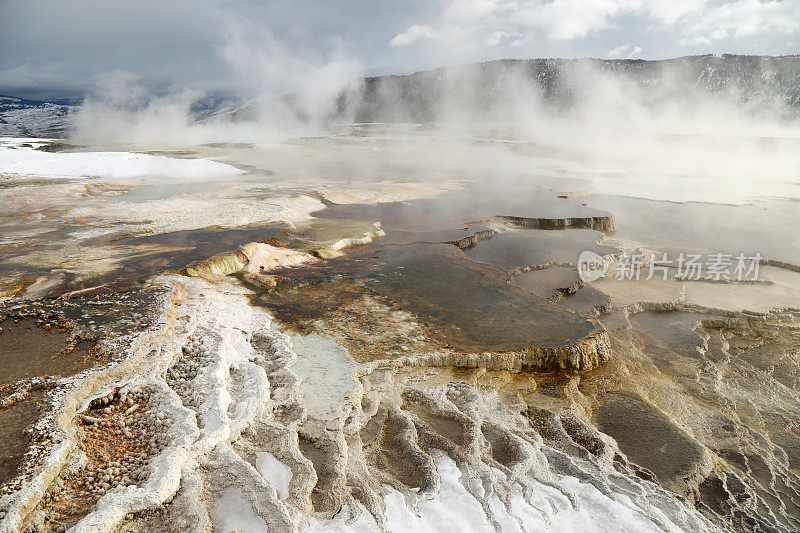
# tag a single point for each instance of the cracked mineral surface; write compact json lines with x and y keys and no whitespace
{"x":328,"y":334}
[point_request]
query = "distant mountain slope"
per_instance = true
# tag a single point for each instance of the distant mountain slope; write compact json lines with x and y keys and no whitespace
{"x":21,"y":117}
{"x":33,"y":118}
{"x":757,"y":83}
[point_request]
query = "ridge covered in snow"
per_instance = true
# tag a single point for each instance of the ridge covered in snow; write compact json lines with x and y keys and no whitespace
{"x":756,"y":84}
{"x":33,"y":118}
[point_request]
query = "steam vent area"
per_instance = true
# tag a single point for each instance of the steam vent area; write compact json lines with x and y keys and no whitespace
{"x":400,"y":328}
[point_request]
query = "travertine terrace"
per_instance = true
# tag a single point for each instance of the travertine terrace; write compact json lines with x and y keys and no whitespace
{"x":387,"y":351}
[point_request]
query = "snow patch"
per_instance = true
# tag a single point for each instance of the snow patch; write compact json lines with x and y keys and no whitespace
{"x":328,"y":375}
{"x":453,"y":508}
{"x":233,"y":513}
{"x":24,"y":161}
{"x":274,"y":472}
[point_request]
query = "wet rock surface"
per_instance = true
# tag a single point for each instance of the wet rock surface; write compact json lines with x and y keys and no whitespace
{"x":656,"y":444}
{"x":529,"y":207}
{"x":18,"y":418}
{"x":35,"y":348}
{"x":432,"y":351}
{"x":466,"y":306}
{"x":119,"y":434}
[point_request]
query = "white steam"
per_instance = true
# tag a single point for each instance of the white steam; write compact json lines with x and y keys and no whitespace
{"x":260,"y":68}
{"x":616,"y":123}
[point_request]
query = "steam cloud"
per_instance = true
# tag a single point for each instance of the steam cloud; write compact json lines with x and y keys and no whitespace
{"x":260,"y":67}
{"x":622,"y":117}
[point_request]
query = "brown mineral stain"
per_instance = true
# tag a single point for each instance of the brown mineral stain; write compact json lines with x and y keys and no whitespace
{"x":29,"y":349}
{"x":16,"y":421}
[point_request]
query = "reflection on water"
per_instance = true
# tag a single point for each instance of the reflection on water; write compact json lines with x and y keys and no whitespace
{"x":517,"y":198}
{"x":767,"y":227}
{"x":469,"y":305}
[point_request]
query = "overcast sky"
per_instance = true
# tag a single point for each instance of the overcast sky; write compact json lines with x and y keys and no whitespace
{"x":253,"y":46}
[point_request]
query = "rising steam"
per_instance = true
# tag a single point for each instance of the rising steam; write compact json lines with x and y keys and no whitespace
{"x":609,"y":118}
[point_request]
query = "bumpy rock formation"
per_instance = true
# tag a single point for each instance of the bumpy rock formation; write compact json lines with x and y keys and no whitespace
{"x":412,"y":380}
{"x":233,"y":428}
{"x":472,"y":316}
{"x":215,"y":410}
{"x":252,"y":258}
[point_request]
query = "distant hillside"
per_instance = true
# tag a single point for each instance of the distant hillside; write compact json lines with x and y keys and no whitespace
{"x":20,"y":117}
{"x":33,"y":118}
{"x":758,"y":84}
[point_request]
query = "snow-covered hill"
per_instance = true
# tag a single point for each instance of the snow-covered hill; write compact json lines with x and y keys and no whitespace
{"x":755,"y":84}
{"x":33,"y":118}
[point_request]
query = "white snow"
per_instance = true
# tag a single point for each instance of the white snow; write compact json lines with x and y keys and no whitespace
{"x":22,"y":161}
{"x":18,"y":118}
{"x":455,"y":509}
{"x":233,"y":513}
{"x":328,"y":375}
{"x":274,"y":472}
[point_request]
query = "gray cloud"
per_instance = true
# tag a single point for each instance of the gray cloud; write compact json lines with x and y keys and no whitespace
{"x":256,"y":47}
